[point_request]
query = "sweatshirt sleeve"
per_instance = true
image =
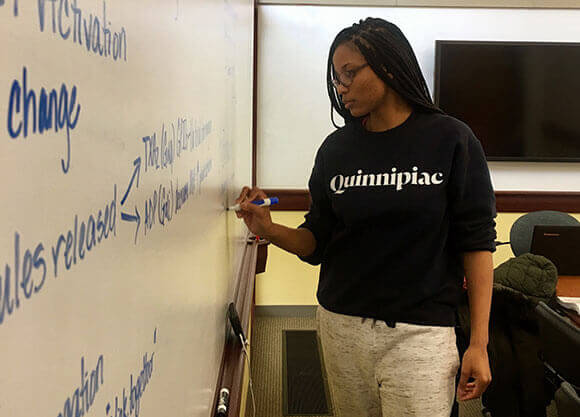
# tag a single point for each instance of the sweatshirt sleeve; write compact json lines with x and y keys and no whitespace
{"x":320,"y":219}
{"x":472,"y":199}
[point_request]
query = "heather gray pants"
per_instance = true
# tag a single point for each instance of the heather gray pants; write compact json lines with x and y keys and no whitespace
{"x":375,"y":370}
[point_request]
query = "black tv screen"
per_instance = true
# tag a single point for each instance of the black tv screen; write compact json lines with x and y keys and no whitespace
{"x":521,"y":99}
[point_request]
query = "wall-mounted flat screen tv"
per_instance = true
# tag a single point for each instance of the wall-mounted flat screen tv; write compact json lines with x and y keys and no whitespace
{"x":521,"y":99}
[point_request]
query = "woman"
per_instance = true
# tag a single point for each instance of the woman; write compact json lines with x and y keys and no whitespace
{"x":402,"y":209}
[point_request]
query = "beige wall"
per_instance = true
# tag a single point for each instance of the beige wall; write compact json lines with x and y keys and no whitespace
{"x":289,"y":281}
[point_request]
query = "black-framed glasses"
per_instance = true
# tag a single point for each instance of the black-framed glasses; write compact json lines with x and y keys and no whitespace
{"x":346,"y":78}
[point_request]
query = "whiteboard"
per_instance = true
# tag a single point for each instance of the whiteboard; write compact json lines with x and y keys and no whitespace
{"x":125,"y":131}
{"x":294,"y":109}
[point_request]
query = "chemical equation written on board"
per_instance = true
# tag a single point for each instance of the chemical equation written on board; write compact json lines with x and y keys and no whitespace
{"x":26,"y":274}
{"x":161,"y":150}
{"x":166,"y":200}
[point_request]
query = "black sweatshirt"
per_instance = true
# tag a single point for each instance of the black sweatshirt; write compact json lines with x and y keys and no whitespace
{"x":392,"y":212}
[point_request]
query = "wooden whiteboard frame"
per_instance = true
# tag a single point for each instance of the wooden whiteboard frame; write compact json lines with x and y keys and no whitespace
{"x":231,"y":373}
{"x":504,"y":4}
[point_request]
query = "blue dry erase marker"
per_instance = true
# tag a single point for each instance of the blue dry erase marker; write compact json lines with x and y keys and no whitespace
{"x":264,"y":203}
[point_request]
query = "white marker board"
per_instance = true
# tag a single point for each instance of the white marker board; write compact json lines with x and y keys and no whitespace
{"x":125,"y":129}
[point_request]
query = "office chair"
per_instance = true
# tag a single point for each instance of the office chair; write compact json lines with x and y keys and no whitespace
{"x":560,"y":353}
{"x":522,"y":230}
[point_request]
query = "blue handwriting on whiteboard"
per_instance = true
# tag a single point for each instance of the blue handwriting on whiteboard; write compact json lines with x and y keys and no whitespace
{"x":15,"y":6}
{"x":151,"y":152}
{"x":205,"y":170}
{"x":136,"y":171}
{"x":128,"y":406}
{"x":51,"y":110}
{"x":28,"y":275}
{"x":85,"y":236}
{"x":200,"y":134}
{"x":161,"y":150}
{"x":130,"y":217}
{"x":91,"y":31}
{"x":181,"y":195}
{"x":83,"y":397}
{"x":159,"y":156}
{"x":159,"y":207}
{"x":165,"y":202}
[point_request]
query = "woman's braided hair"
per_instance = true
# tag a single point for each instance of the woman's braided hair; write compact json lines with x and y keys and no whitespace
{"x":386,"y":50}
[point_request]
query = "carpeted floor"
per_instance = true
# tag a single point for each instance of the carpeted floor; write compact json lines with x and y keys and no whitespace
{"x":267,"y":367}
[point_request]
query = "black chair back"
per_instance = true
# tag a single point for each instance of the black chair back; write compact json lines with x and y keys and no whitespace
{"x":559,"y":344}
{"x":522,"y":230}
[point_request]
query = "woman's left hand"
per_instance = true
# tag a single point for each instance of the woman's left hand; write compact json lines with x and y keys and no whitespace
{"x":475,"y":373}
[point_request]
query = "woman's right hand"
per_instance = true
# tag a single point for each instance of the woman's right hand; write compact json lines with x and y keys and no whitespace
{"x":257,"y":218}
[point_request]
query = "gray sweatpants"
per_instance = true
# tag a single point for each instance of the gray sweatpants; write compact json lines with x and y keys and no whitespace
{"x":375,"y":370}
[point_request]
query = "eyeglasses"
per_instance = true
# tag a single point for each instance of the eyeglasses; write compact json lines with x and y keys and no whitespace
{"x":346,"y":78}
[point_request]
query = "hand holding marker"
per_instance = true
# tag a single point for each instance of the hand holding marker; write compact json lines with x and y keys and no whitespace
{"x":263,"y":203}
{"x":252,"y":206}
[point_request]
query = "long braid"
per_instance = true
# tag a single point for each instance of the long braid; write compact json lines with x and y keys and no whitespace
{"x":386,"y":50}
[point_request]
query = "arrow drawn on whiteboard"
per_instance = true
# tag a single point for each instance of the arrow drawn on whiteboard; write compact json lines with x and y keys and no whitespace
{"x":130,"y":218}
{"x":137,"y":164}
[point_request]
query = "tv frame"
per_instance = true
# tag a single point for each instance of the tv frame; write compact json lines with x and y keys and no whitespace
{"x":436,"y":87}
